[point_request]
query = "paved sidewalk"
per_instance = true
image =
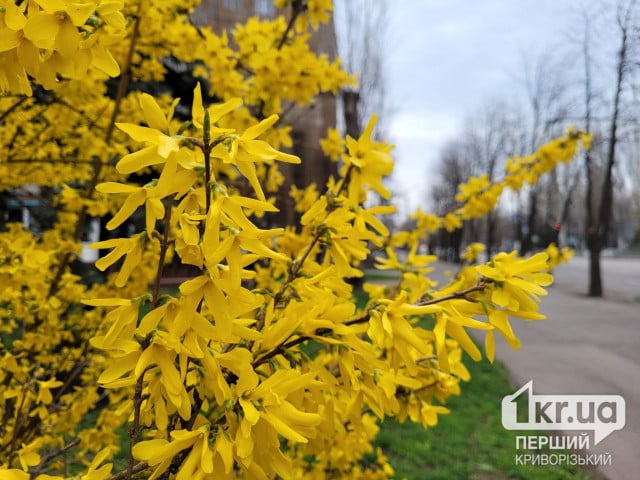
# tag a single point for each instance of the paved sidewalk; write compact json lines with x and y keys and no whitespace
{"x":587,"y":346}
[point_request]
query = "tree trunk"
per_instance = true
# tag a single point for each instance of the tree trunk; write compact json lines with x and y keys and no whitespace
{"x":566,"y":209}
{"x":593,"y":245}
{"x":602,"y":223}
{"x":491,"y":228}
{"x":595,"y":277}
{"x":527,"y":239}
{"x":350,"y":100}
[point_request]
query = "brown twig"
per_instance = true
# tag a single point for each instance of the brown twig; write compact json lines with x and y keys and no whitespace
{"x":164,"y":246}
{"x":49,"y":160}
{"x":206,"y":151}
{"x":125,"y":474}
{"x":44,"y":459}
{"x":296,"y":266}
{"x":134,"y":431}
{"x":8,"y":111}
{"x":297,"y":7}
{"x":363,"y":319}
{"x":478,"y":287}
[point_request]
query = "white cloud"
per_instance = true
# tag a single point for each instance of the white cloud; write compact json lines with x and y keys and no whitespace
{"x":430,"y":127}
{"x":418,"y":138}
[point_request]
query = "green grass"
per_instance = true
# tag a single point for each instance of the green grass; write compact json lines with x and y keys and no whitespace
{"x":377,"y":275}
{"x":470,"y":442}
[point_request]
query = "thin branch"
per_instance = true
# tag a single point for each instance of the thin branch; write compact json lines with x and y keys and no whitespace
{"x":297,"y":264}
{"x":125,"y":78}
{"x":134,"y":431}
{"x":8,"y":111}
{"x":478,"y":287}
{"x":363,"y":319}
{"x":44,"y":459}
{"x":164,"y":246}
{"x":50,"y":160}
{"x":137,"y":468}
{"x":206,"y":151}
{"x":93,"y":124}
{"x":297,"y":7}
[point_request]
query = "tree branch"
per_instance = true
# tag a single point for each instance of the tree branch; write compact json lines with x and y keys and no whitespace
{"x":297,"y":7}
{"x":44,"y":459}
{"x":137,"y":468}
{"x":363,"y":319}
{"x":164,"y":246}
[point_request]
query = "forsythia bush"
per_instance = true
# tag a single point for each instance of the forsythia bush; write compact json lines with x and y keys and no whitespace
{"x":261,"y":365}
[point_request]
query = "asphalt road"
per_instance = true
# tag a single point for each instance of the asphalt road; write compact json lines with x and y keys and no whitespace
{"x":588,"y":346}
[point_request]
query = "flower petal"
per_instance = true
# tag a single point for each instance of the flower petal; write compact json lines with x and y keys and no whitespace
{"x":153,"y":114}
{"x":102,"y":59}
{"x":140,"y":134}
{"x":197,"y":110}
{"x":256,"y":130}
{"x":42,"y":29}
{"x":138,"y":160}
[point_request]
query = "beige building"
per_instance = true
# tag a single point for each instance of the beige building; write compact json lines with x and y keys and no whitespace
{"x":310,"y":123}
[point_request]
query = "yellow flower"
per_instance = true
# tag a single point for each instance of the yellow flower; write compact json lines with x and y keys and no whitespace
{"x":51,"y":38}
{"x":160,"y":451}
{"x":304,"y":198}
{"x":245,"y":150}
{"x":371,"y":162}
{"x":452,"y":222}
{"x":14,"y":474}
{"x":130,"y":247}
{"x":474,"y":186}
{"x":121,"y":320}
{"x":517,"y":280}
{"x":44,"y":390}
{"x":290,"y":422}
{"x":28,"y":454}
{"x":472,"y":252}
{"x":173,"y":179}
{"x":333,"y":144}
{"x":216,"y":112}
{"x":316,"y":13}
{"x":97,"y":472}
{"x":156,"y":136}
{"x":159,"y":149}
{"x":389,"y":328}
{"x":557,"y":256}
{"x":427,"y":222}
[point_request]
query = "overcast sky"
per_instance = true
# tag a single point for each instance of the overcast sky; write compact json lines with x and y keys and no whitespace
{"x":445,"y":58}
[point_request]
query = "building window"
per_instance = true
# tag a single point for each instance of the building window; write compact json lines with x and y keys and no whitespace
{"x":264,"y":8}
{"x":230,"y":4}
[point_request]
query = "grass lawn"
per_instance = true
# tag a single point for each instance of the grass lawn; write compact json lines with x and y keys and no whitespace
{"x":470,"y":442}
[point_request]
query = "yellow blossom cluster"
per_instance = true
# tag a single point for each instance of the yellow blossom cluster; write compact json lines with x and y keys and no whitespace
{"x":478,"y":196}
{"x":284,"y":72}
{"x":315,"y":13}
{"x":557,"y":255}
{"x":47,"y":39}
{"x":225,"y":365}
{"x":261,"y":364}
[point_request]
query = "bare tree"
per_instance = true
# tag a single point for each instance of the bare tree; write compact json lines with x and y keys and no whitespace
{"x":454,"y":167}
{"x":599,"y":218}
{"x":488,"y":136}
{"x":548,"y":107}
{"x":362,"y":32}
{"x":632,"y":150}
